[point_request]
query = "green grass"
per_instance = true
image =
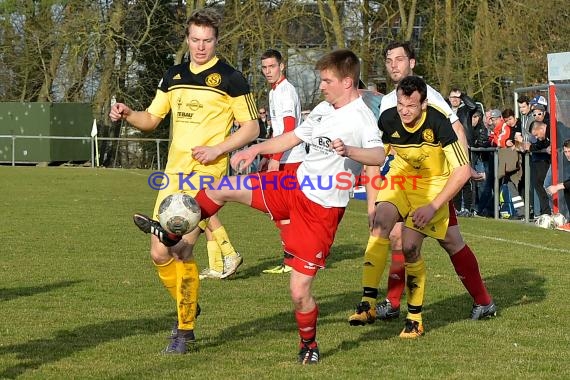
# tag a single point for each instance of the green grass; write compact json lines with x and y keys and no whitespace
{"x":79,"y":297}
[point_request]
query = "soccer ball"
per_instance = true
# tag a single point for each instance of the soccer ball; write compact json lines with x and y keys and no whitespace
{"x":179,"y":213}
{"x":558,"y":220}
{"x":544,"y":221}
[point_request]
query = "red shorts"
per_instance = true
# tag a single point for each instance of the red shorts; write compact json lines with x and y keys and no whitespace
{"x":291,"y":167}
{"x":310,"y":233}
{"x":452,"y":215}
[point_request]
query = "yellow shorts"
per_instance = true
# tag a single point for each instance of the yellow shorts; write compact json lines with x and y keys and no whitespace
{"x":183,"y":183}
{"x":408,"y":194}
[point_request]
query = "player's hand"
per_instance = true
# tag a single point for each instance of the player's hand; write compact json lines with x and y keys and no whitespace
{"x":476,"y":176}
{"x":205,"y":154}
{"x":119,"y":111}
{"x":273,"y":165}
{"x":339,"y":147}
{"x":552,"y":189}
{"x":423,"y":215}
{"x":242,"y":159}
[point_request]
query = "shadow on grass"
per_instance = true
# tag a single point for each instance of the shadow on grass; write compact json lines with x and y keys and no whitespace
{"x":8,"y":294}
{"x":65,"y":343}
{"x":338,"y":254}
{"x":511,"y":289}
{"x":516,"y":287}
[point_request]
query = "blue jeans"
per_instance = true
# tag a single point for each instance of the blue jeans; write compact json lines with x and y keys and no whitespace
{"x":485,"y":188}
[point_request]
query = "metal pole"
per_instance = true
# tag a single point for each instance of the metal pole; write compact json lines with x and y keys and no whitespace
{"x":158,"y":154}
{"x":496,"y":184}
{"x":13,"y":150}
{"x":92,"y":153}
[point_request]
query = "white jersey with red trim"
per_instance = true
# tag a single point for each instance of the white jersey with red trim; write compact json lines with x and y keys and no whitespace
{"x":325,"y":177}
{"x":284,"y":102}
{"x":434,"y":99}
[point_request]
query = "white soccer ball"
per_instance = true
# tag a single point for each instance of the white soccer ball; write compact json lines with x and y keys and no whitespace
{"x":558,"y":220}
{"x":544,"y":221}
{"x":179,"y":213}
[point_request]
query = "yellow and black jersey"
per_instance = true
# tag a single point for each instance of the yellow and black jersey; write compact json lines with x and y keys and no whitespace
{"x":428,"y":149}
{"x":204,"y":105}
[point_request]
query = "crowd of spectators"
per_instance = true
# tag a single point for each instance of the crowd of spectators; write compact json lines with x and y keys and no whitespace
{"x":515,"y":136}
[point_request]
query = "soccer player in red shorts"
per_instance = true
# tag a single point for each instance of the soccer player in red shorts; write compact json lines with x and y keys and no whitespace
{"x":343,"y":135}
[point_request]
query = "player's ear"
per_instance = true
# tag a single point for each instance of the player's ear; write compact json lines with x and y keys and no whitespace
{"x":282,"y":66}
{"x":412,"y":63}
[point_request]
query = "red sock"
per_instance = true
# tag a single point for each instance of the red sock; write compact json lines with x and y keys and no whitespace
{"x":307,"y":324}
{"x":467,"y":268}
{"x":396,"y":279}
{"x":207,"y":206}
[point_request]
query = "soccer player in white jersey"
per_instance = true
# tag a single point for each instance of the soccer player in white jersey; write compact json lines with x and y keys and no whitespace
{"x":400,"y":62}
{"x":285,"y":113}
{"x":343,"y":135}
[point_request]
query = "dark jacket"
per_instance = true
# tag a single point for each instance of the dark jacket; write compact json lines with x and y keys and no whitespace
{"x":464,"y":114}
{"x":481,"y":140}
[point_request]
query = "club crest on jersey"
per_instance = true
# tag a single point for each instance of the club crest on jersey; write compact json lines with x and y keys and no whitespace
{"x":213,"y":80}
{"x":428,"y":135}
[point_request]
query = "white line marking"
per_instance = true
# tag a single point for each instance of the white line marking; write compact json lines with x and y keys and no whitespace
{"x":478,"y":236}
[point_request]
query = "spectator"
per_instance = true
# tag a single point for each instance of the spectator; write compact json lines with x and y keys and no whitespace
{"x":540,"y":157}
{"x":464,"y":107}
{"x":523,"y":135}
{"x":264,"y":124}
{"x":485,"y":196}
{"x":501,"y":135}
{"x":480,"y":160}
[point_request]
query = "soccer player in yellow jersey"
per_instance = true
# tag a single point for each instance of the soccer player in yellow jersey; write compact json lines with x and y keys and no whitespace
{"x":204,"y":96}
{"x":400,"y":61}
{"x":429,"y":167}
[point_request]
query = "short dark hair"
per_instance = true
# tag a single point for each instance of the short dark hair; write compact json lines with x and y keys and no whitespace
{"x":272,"y":53}
{"x":507,"y":112}
{"x":406,"y":45}
{"x":566,"y":144}
{"x":537,"y":124}
{"x":411,"y":84}
{"x":208,"y":17}
{"x":343,"y":62}
{"x":523,"y":99}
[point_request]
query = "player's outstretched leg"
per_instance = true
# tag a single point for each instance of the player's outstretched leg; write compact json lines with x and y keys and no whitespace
{"x":151,"y":226}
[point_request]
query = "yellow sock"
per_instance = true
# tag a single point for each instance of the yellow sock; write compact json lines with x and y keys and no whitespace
{"x":375,"y":258}
{"x":187,"y":285}
{"x":415,"y":288}
{"x":215,"y":260}
{"x":167,"y":274}
{"x":221,"y":237}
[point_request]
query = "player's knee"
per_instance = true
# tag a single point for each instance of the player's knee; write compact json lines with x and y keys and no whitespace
{"x":159,"y":255}
{"x":299,"y":297}
{"x":411,"y":252}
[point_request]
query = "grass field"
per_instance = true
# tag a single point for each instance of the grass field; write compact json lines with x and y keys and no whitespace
{"x":79,"y":297}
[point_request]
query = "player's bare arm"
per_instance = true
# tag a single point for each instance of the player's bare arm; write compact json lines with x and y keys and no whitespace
{"x":367,"y":156}
{"x":247,"y":132}
{"x":372,"y":189}
{"x":141,"y":120}
{"x":277,"y":144}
